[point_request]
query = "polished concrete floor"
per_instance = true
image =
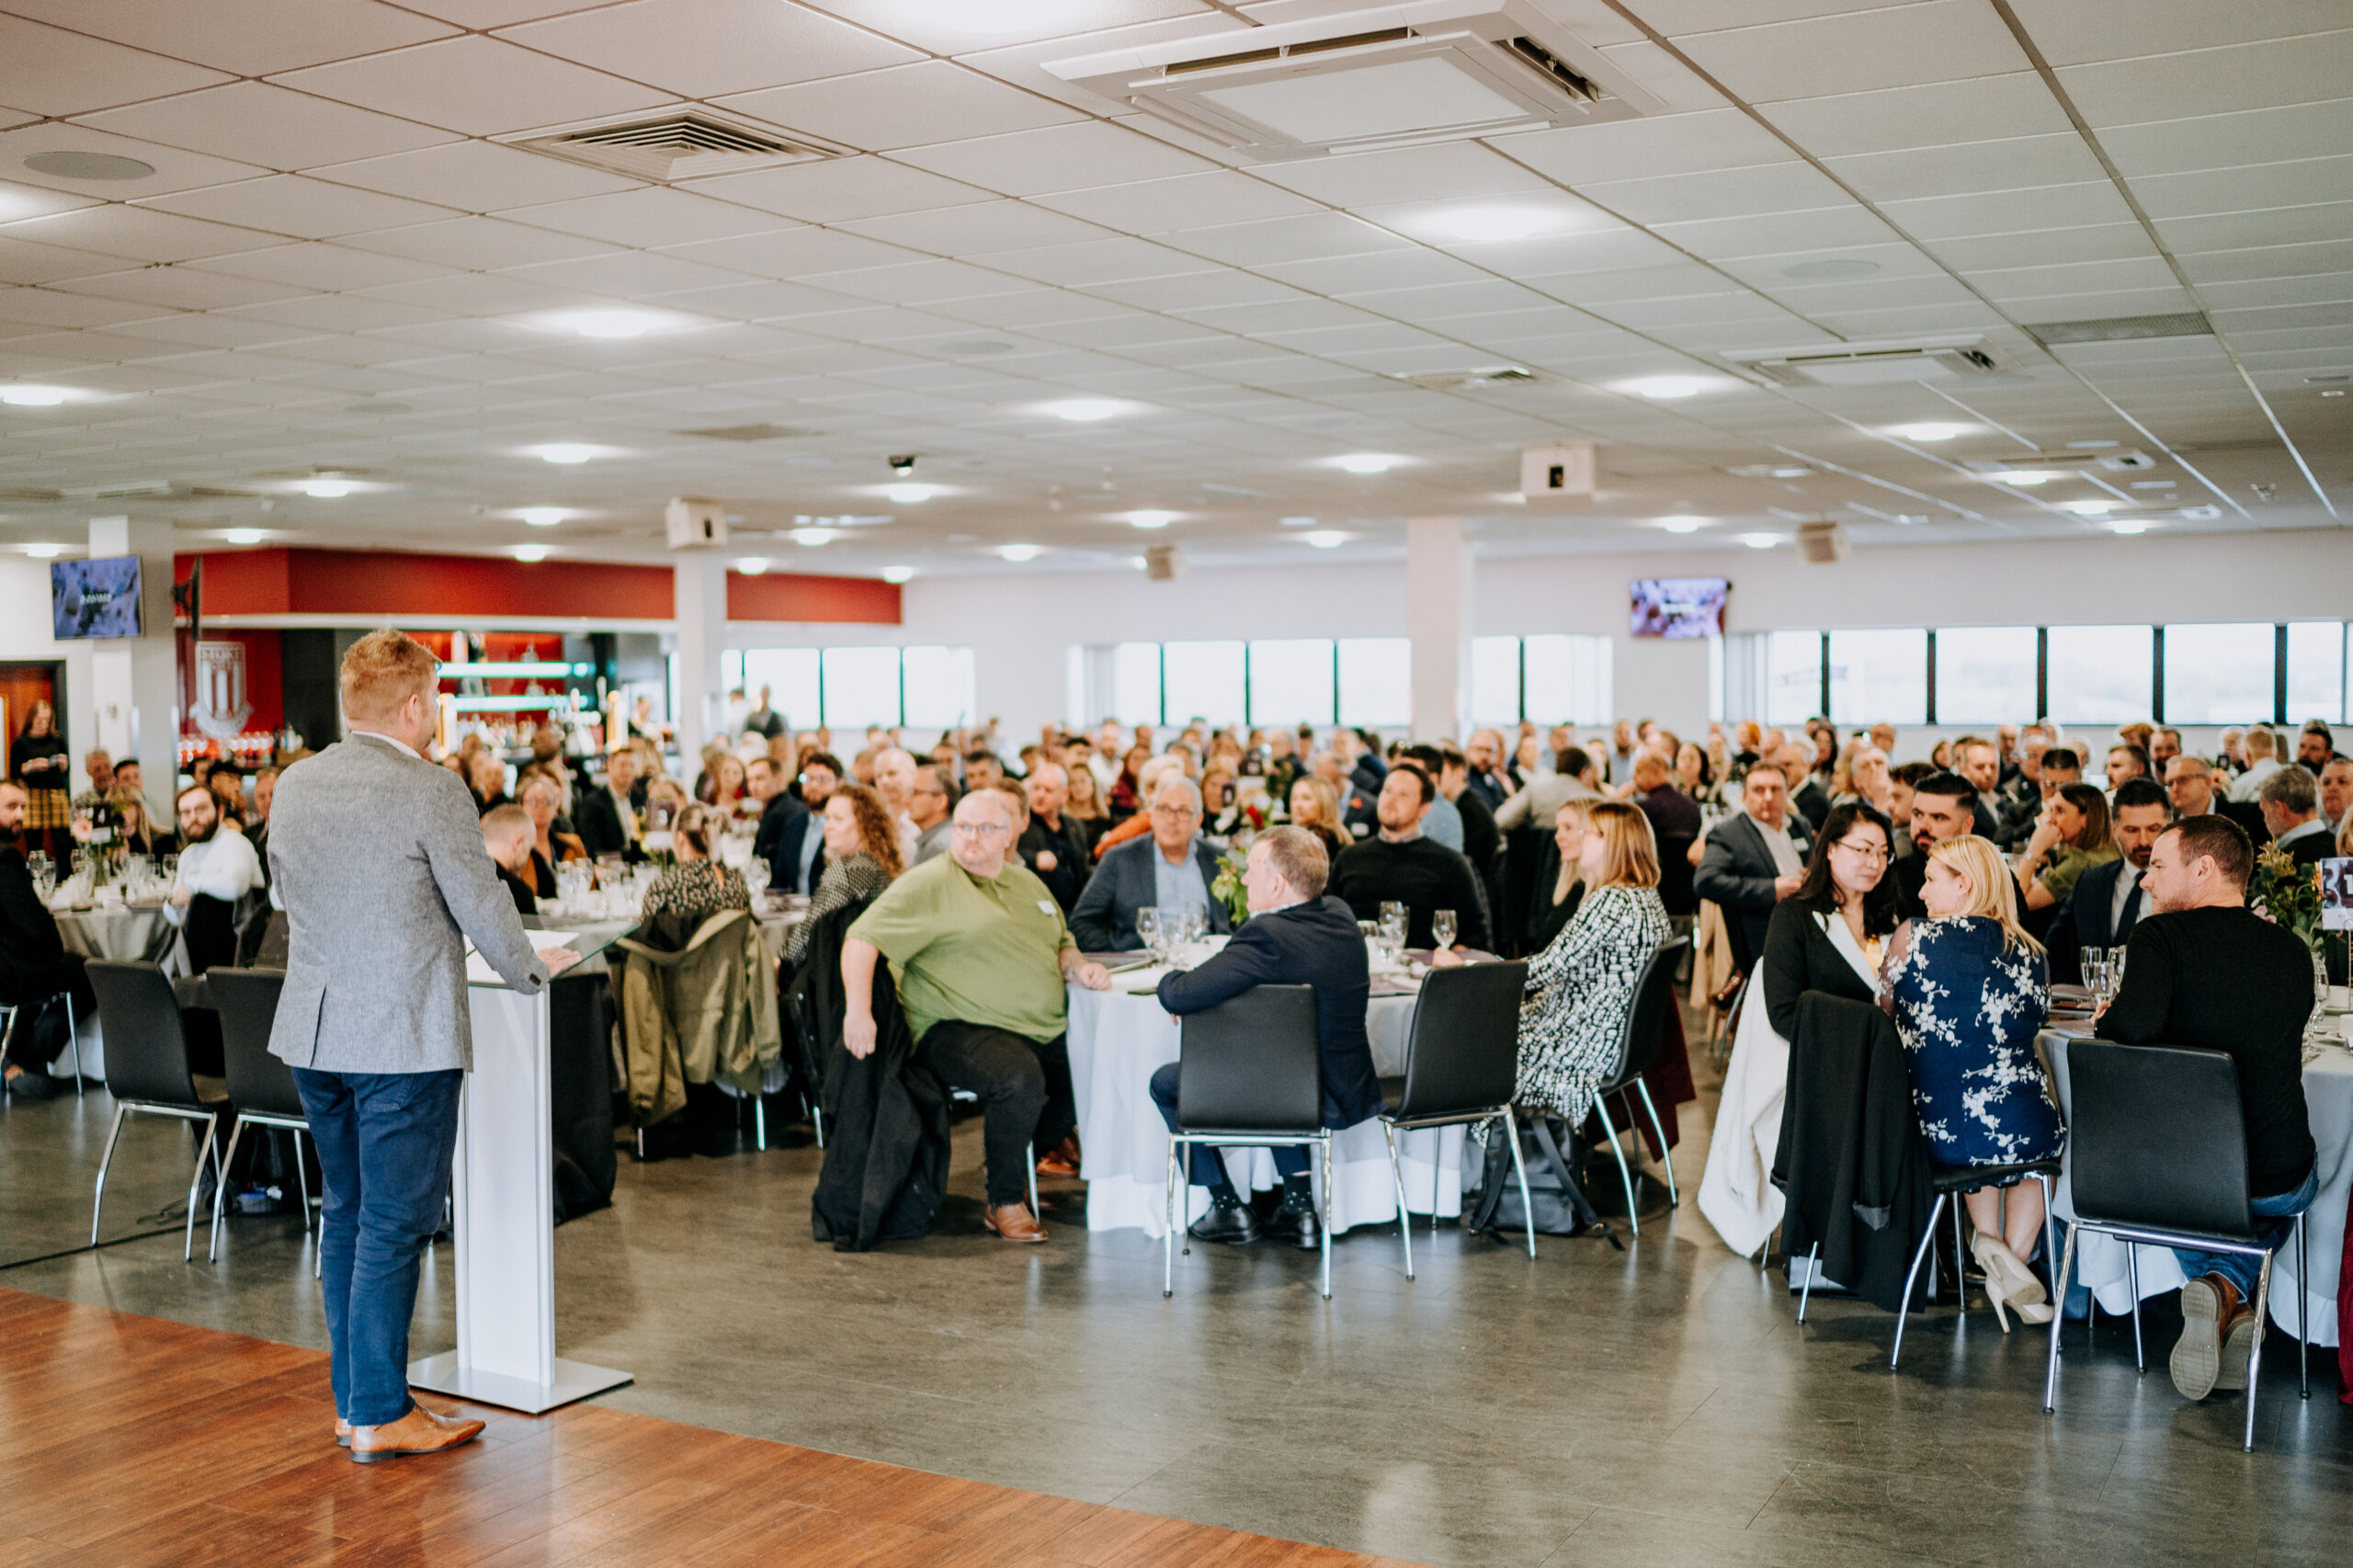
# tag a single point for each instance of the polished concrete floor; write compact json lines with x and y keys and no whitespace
{"x":1655,"y":1405}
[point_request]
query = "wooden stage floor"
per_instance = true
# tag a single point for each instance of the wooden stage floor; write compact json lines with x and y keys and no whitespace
{"x":130,"y":1442}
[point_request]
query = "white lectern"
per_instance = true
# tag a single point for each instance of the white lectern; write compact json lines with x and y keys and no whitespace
{"x":504,"y":1193}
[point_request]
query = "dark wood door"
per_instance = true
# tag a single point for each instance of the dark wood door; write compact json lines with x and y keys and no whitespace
{"x":21,"y":686}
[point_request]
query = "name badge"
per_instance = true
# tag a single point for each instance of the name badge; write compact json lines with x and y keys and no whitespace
{"x":1045,"y":906}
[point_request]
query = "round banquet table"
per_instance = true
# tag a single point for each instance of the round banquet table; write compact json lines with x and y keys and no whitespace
{"x":129,"y":932}
{"x":1118,"y":1039}
{"x":2100,"y":1261}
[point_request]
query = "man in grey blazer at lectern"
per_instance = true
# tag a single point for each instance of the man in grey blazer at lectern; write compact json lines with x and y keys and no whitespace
{"x":377,"y":854}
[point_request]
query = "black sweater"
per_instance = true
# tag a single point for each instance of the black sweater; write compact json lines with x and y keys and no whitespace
{"x":1422,"y":874}
{"x":2225,"y":980}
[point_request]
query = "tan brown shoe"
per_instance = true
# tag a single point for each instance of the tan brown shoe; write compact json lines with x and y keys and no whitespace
{"x":1061,"y":1160}
{"x":342,"y":1433}
{"x":2240,"y":1332}
{"x":2208,"y":1304}
{"x":418,"y":1432}
{"x":1013,"y":1222}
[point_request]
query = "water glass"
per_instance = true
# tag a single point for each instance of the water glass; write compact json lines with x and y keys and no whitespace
{"x":1197,"y":925}
{"x":1442,"y":928}
{"x":2094,"y":962}
{"x":1148,"y":928}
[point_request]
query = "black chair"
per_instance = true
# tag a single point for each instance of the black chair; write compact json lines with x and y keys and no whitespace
{"x":1462,"y":1065}
{"x":1249,"y":1074}
{"x":17,"y":1018}
{"x":2157,"y":1157}
{"x":1639,"y":1043}
{"x":1948,"y":1182}
{"x":147,"y":1070}
{"x":261,"y":1086}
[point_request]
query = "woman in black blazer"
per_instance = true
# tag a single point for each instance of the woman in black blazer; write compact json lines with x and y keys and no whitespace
{"x":1845,"y":881}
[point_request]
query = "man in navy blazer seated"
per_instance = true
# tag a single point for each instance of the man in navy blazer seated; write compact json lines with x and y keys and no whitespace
{"x":2108,"y":900}
{"x":1169,"y":870}
{"x":1295,"y":936}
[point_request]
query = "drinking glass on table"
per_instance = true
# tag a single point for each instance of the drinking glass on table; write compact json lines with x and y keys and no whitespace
{"x":1442,"y":928}
{"x":1148,"y":928}
{"x":2094,"y":963}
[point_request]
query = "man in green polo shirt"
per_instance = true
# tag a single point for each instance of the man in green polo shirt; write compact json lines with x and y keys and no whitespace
{"x":981,"y":960}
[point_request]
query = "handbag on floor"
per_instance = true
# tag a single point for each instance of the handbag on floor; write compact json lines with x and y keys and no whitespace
{"x":1499,"y":1208}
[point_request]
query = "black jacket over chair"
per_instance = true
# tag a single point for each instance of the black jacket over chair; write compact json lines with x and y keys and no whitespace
{"x":1852,"y":1161}
{"x":1316,"y":944}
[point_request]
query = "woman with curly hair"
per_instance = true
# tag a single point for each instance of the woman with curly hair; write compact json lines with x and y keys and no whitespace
{"x":861,"y":859}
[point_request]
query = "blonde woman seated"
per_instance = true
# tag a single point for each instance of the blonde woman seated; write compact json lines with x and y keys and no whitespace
{"x":1315,"y":806}
{"x":1967,"y":991}
{"x":697,"y":887}
{"x":861,"y":859}
{"x":1552,"y":907}
{"x":1583,"y":986}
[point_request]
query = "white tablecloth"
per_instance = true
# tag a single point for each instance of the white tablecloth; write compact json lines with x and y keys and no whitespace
{"x":2100,"y":1263}
{"x":1118,"y":1041}
{"x":126,"y":933}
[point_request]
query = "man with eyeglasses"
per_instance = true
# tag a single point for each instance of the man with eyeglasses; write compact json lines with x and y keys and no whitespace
{"x":981,"y":961}
{"x":1169,"y":870}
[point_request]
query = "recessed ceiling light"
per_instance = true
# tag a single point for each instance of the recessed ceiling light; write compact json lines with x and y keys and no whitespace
{"x":610,"y":324}
{"x":1364,"y":462}
{"x":815,"y":537}
{"x":1326,"y":539}
{"x":1834,"y":267}
{"x":909,"y":494}
{"x":1670,"y":387}
{"x":2090,"y":446}
{"x":2090,"y":508}
{"x":2333,"y":392}
{"x":1490,"y":225}
{"x":44,"y":552}
{"x":1761,"y":542}
{"x":530,"y":552}
{"x":329,"y":489}
{"x":566,"y":452}
{"x":87,"y":166}
{"x":1681,"y":525}
{"x":2157,"y":485}
{"x":752,"y":566}
{"x":242,"y":535}
{"x":2129,"y":526}
{"x":1299,"y":522}
{"x":34,"y":397}
{"x":2027,"y":477}
{"x":2200,"y":514}
{"x":1150,"y":520}
{"x":542,"y":517}
{"x":1087,"y":410}
{"x":1929,"y":432}
{"x":898,"y":574}
{"x":1020,"y":553}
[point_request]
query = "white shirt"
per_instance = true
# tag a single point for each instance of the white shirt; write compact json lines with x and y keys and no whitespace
{"x":223,"y":867}
{"x":910,"y":838}
{"x":2126,"y":880}
{"x":1786,"y":860}
{"x":391,"y":741}
{"x":2250,"y":783}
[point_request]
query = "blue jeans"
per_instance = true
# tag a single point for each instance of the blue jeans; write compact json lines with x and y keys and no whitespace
{"x":2239,"y":1267}
{"x":1206,"y":1169}
{"x":385,"y":1141}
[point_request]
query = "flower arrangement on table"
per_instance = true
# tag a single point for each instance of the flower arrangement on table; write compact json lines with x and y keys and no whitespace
{"x":2287,"y":894}
{"x":1227,"y":888}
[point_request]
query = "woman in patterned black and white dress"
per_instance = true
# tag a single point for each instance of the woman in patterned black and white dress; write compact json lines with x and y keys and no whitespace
{"x":1582,"y":987}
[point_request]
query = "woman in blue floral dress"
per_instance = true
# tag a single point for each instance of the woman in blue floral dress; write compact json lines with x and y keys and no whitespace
{"x":1967,"y":988}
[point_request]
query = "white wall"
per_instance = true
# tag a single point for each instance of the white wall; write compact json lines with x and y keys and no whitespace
{"x":1020,"y":625}
{"x":24,"y":635}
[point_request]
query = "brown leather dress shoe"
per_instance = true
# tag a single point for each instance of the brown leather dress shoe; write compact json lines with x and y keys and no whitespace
{"x":418,"y":1432}
{"x":2208,"y":1304}
{"x":1061,"y":1160}
{"x":1013,"y":1222}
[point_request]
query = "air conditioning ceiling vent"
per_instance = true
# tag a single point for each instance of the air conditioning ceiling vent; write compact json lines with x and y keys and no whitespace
{"x":1392,"y":76}
{"x":1948,"y":358}
{"x":674,"y":146}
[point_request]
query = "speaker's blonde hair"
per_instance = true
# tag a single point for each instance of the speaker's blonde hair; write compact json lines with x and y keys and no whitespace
{"x":382,"y":671}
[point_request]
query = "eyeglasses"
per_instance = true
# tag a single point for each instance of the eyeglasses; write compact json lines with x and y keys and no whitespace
{"x":1870,"y":852}
{"x":1174,"y":811}
{"x":979,"y":829}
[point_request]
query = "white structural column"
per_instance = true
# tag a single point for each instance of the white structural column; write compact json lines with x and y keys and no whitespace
{"x":1437,"y":620}
{"x":134,"y":682}
{"x":700,"y":605}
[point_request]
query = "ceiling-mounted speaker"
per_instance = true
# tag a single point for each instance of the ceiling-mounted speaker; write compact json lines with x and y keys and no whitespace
{"x":1823,"y":543}
{"x":1557,"y":472}
{"x":694,"y":523}
{"x":1163,"y":562}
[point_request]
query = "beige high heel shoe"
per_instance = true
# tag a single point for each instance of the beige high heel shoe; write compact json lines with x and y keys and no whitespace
{"x":2009,"y":1282}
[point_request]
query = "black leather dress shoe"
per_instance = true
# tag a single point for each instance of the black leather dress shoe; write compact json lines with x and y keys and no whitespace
{"x":1298,"y":1226}
{"x":1231,"y":1223}
{"x":31,"y":1085}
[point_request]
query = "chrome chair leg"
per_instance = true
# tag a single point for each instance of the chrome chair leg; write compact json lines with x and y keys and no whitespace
{"x":760,"y":1123}
{"x":817,"y":1120}
{"x":74,"y":1037}
{"x":1610,"y":1129}
{"x":99,"y":1206}
{"x":1030,"y":1153}
{"x":303,"y":1178}
{"x":1168,"y":1227}
{"x":1910,"y":1278}
{"x":1326,"y":1216}
{"x":2304,"y":1305}
{"x":1959,"y":1261}
{"x":2255,"y":1356}
{"x":203,"y":1154}
{"x":1805,"y":1294}
{"x":1666,"y":1153}
{"x":1404,"y":1221}
{"x":2132,"y":1279}
{"x":220,"y":1191}
{"x":2058,"y":1318}
{"x":1519,"y":1169}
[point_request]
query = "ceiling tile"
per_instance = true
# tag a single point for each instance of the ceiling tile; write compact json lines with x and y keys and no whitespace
{"x":209,"y":329}
{"x":1197,"y":292}
{"x":795,"y":252}
{"x":118,"y":230}
{"x":760,"y":302}
{"x":476,"y":243}
{"x":48,"y":71}
{"x":46,"y":308}
{"x":246,"y":38}
{"x":1450,"y":171}
{"x":1995,"y":212}
{"x":2269,"y":261}
{"x":482,"y":294}
{"x":1900,"y":46}
{"x":477,"y":177}
{"x":2246,"y":189}
{"x":1161,"y":206}
{"x":343,"y":313}
{"x":478,"y":86}
{"x":22,"y":261}
{"x":1346,"y":275}
{"x":2069,"y":35}
{"x":1969,"y":167}
{"x":904,"y":107}
{"x":627,"y":275}
{"x":1728,"y":193}
{"x":920,"y":283}
{"x":701,"y":49}
{"x":2214,"y":81}
{"x":1098,"y":261}
{"x":1778,"y":233}
{"x":1936,"y":114}
{"x":290,"y":204}
{"x":1303,"y":237}
{"x":181,"y":287}
{"x":1061,"y":157}
{"x":317,"y":265}
{"x":978,"y":227}
{"x":840,"y":188}
{"x":1646,"y":147}
{"x":653,"y":215}
{"x":266,"y":125}
{"x":2276,"y":226}
{"x":2046,"y":248}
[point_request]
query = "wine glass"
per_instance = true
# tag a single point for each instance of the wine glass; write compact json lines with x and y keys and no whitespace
{"x":2094,"y":962}
{"x":1148,"y":927}
{"x":1442,"y":928}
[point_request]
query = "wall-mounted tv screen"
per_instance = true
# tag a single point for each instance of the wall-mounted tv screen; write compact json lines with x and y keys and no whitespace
{"x":1679,"y":607}
{"x":94,"y":598}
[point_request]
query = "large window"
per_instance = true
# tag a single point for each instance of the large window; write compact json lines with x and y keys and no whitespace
{"x":1550,"y":679}
{"x":1204,"y":680}
{"x":2220,"y":673}
{"x":941,"y":685}
{"x":790,"y":676}
{"x":1135,"y":683}
{"x":1292,"y":681}
{"x":1985,"y":674}
{"x":1792,"y":676}
{"x":931,"y":688}
{"x":2103,"y":675}
{"x":1376,"y":676}
{"x":1495,"y":680}
{"x":1879,"y":676}
{"x":862,"y":686}
{"x":2317,"y":661}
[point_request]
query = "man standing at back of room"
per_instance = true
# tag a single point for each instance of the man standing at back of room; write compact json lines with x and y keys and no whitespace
{"x":377,"y":854}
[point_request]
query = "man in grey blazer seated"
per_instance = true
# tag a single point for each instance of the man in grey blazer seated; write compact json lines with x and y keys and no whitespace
{"x":1170,"y":870}
{"x":377,"y":854}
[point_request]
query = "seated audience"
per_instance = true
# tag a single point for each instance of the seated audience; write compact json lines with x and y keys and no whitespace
{"x":1444,"y":822}
{"x":982,"y":959}
{"x":696,"y":887}
{"x":1123,"y":797}
{"x":1539,"y":797}
{"x":541,"y":798}
{"x":1295,"y":936}
{"x":1400,"y":865}
{"x":1981,"y":763}
{"x":1754,"y":860}
{"x":2109,"y":898}
{"x":1672,"y":813}
{"x":2071,"y":839}
{"x":1316,"y":807}
{"x":783,"y":822}
{"x":34,"y":965}
{"x":2336,"y":792}
{"x":1808,"y":798}
{"x":2315,"y":744}
{"x":861,"y":859}
{"x":607,"y":818}
{"x":1137,"y":824}
{"x":930,"y":801}
{"x":2206,"y":971}
{"x":1485,"y":752}
{"x":1482,"y":840}
{"x":724,"y":788}
{"x":1967,"y":989}
{"x":1559,"y":879}
{"x":2261,"y":763}
{"x":2126,"y":762}
{"x":1051,"y":845}
{"x":2290,"y":800}
{"x":1083,"y":806}
{"x":135,"y":832}
{"x":2189,"y":784}
{"x":2062,"y":766}
{"x":217,"y":868}
{"x":1942,"y":808}
{"x":1170,"y":870}
{"x":485,"y":774}
{"x":507,"y":835}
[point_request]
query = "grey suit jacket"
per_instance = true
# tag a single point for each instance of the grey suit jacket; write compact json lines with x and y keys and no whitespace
{"x":1103,"y":920}
{"x":379,"y":860}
